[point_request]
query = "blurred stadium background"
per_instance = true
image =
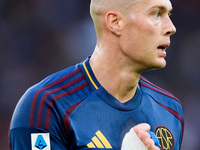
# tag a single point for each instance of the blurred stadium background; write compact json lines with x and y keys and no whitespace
{"x":40,"y":37}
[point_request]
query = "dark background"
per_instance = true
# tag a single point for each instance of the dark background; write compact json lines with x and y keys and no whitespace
{"x":40,"y":37}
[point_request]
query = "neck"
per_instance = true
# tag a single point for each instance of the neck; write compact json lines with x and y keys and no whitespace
{"x":114,"y":74}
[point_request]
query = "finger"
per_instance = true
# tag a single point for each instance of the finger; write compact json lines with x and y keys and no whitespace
{"x":147,"y":140}
{"x":149,"y":143}
{"x":153,"y":136}
{"x":143,"y":136}
{"x":141,"y":127}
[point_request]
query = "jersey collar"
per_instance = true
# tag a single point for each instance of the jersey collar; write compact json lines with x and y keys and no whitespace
{"x":106,"y":96}
{"x":113,"y":102}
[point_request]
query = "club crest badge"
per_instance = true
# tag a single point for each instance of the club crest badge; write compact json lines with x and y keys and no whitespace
{"x":165,"y":137}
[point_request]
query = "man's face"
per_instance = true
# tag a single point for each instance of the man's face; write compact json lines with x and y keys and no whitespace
{"x":146,"y":34}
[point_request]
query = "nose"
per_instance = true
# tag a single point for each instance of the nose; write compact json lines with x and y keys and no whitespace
{"x":169,"y":29}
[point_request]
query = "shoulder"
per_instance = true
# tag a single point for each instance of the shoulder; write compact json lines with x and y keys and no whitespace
{"x":164,"y":99}
{"x":49,"y":97}
{"x":44,"y":106}
{"x":161,"y":96}
{"x":54,"y":83}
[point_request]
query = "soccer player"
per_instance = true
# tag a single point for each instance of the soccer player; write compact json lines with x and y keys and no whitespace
{"x":104,"y":102}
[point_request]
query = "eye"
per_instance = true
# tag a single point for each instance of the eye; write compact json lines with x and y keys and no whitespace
{"x":157,"y":14}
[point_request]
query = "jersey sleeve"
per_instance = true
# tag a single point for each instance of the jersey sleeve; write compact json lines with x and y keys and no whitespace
{"x":24,"y":135}
{"x":24,"y":138}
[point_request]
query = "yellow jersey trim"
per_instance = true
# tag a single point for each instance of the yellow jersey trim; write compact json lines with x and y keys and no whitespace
{"x":89,"y":76}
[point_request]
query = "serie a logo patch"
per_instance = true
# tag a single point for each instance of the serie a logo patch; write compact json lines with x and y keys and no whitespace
{"x":165,"y":137}
{"x":40,"y":141}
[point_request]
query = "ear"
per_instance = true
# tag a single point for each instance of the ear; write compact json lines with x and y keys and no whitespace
{"x":114,"y":22}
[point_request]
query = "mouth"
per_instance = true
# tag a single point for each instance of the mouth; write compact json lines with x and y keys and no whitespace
{"x":163,"y":47}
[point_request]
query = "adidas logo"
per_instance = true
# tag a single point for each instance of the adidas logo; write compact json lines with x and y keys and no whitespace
{"x":99,"y":141}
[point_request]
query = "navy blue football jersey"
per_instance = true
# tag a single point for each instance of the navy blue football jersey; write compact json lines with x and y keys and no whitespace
{"x":70,"y":110}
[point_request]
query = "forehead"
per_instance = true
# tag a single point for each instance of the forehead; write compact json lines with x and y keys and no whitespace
{"x":149,"y":4}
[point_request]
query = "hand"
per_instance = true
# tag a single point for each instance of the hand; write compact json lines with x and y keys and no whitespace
{"x":142,"y":132}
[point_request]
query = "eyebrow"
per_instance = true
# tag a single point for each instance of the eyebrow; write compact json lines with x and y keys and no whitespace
{"x":162,"y":8}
